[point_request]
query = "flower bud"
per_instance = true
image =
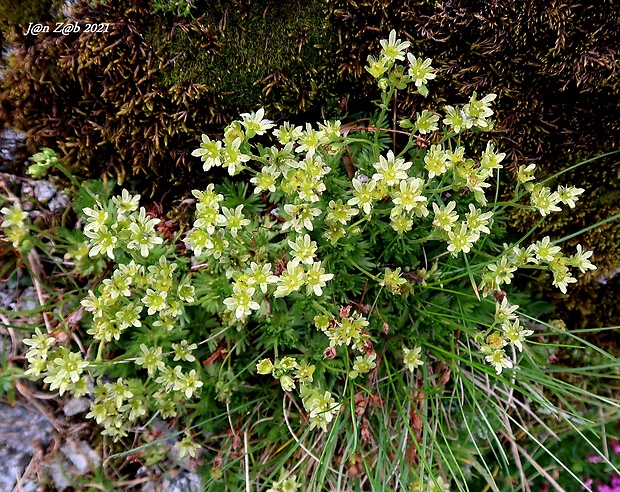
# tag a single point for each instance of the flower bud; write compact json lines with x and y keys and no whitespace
{"x":329,"y":353}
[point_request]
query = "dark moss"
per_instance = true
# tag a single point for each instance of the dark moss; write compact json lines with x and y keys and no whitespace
{"x":252,"y":53}
{"x":22,"y":12}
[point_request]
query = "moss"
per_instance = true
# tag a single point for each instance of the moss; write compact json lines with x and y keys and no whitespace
{"x":552,"y":65}
{"x":594,"y":305}
{"x":252,"y":53}
{"x":555,"y":78}
{"x":16,"y":12}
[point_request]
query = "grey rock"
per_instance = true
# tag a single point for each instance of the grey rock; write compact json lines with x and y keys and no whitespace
{"x":183,"y":482}
{"x":29,"y":486}
{"x":75,"y":406}
{"x":58,"y":202}
{"x":27,"y":301}
{"x":604,"y":278}
{"x":174,"y":482}
{"x":81,"y":455}
{"x":21,"y":431}
{"x":12,"y":466}
{"x":10,"y":140}
{"x":77,"y":459}
{"x":59,"y":475}
{"x":5,"y":300}
{"x":150,"y":487}
{"x":44,"y":191}
{"x":68,"y":7}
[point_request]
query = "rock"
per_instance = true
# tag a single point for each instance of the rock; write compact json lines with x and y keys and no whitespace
{"x":44,"y":191}
{"x":58,"y":473}
{"x":83,"y":457}
{"x":75,"y":406}
{"x":5,"y":300}
{"x":80,"y":460}
{"x":604,"y":278}
{"x":174,"y":481}
{"x":10,"y":141}
{"x":183,"y":482}
{"x":21,"y":432}
{"x":150,"y":487}
{"x":58,"y":202}
{"x":29,"y":486}
{"x":27,"y":301}
{"x":12,"y":465}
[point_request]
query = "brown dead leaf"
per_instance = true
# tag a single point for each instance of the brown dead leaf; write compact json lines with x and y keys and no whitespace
{"x":361,"y":402}
{"x":365,"y":431}
{"x":219,"y":351}
{"x":347,"y":160}
{"x":377,"y":401}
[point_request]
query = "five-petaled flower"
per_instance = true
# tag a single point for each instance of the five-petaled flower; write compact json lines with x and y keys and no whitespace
{"x":412,"y":358}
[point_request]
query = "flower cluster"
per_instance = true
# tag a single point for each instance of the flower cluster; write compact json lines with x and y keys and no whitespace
{"x":544,"y":255}
{"x":228,"y":153}
{"x":117,"y":226}
{"x":298,"y":172}
{"x":349,"y":330}
{"x":546,"y":201}
{"x":37,"y":356}
{"x":15,"y":224}
{"x":541,"y":197}
{"x":288,"y":371}
{"x":286,"y":483}
{"x":412,"y":358}
{"x":505,"y":330}
{"x":43,"y":160}
{"x":133,"y":291}
{"x":438,"y":188}
{"x":331,"y":229}
{"x":139,"y":294}
{"x":419,"y":71}
{"x":187,"y":446}
{"x":62,"y":369}
{"x":320,"y":405}
{"x":431,"y":484}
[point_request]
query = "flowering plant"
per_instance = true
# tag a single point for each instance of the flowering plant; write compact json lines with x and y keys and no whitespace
{"x":343,"y":254}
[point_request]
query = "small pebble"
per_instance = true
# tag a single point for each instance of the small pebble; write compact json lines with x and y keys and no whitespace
{"x":75,"y":406}
{"x":81,"y":455}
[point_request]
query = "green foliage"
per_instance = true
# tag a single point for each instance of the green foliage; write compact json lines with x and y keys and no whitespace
{"x":590,"y":455}
{"x":128,"y":103}
{"x":181,"y":8}
{"x":351,"y":295}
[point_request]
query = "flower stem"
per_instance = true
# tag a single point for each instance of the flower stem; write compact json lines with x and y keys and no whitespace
{"x":364,"y":271}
